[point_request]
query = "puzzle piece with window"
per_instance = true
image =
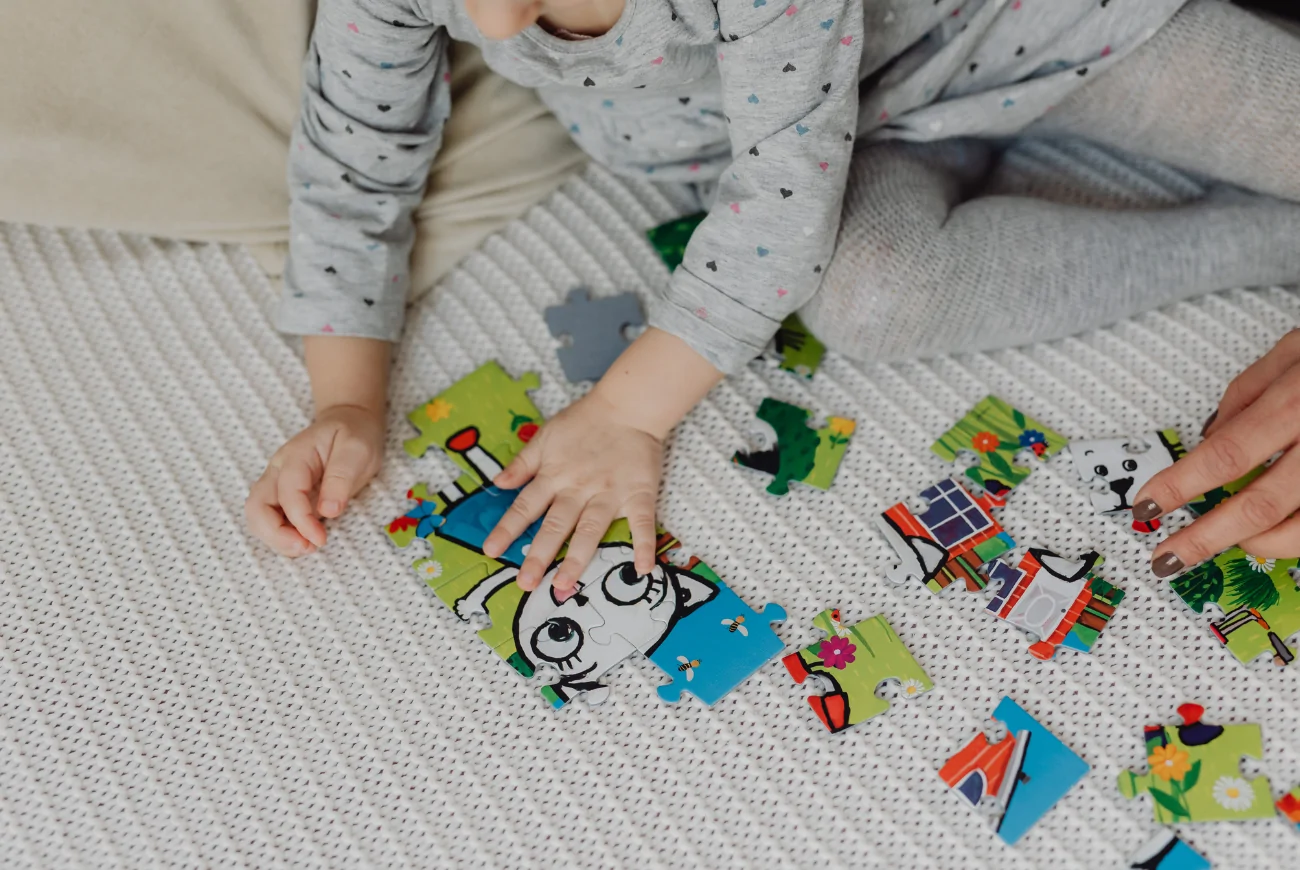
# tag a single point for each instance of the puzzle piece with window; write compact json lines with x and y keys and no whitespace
{"x":1195,"y":771}
{"x":793,"y":451}
{"x":1019,"y":778}
{"x":855,"y":660}
{"x":994,"y":433}
{"x":946,"y":542}
{"x":1257,"y":598}
{"x":1061,"y":602}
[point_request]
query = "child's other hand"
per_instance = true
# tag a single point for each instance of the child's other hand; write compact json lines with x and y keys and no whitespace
{"x":313,"y":476}
{"x":587,"y":468}
{"x":1258,"y":417}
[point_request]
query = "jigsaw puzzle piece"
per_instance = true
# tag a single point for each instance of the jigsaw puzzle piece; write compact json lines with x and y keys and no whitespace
{"x":855,"y":660}
{"x":797,"y":452}
{"x":798,"y":351}
{"x":1258,"y":598}
{"x":1165,"y":851}
{"x":1061,"y":602}
{"x":948,"y":541}
{"x":1289,"y":806}
{"x":488,"y":402}
{"x":1195,"y":771}
{"x":1020,"y":777}
{"x":1122,"y":466}
{"x":669,"y":240}
{"x":595,"y":329}
{"x":994,"y":432}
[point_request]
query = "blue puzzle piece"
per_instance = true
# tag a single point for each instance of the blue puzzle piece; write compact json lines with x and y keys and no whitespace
{"x":1165,"y":851}
{"x":709,"y":651}
{"x":1048,"y":770}
{"x":471,"y":520}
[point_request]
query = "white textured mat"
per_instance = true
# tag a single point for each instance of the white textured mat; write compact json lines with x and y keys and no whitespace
{"x":172,"y":694}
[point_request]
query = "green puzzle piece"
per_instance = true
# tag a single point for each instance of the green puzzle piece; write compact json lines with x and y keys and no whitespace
{"x":800,"y":453}
{"x":996,"y":432}
{"x":800,"y":351}
{"x":670,"y":239}
{"x":1196,"y":771}
{"x":1258,"y":597}
{"x":855,"y":660}
{"x":488,"y":399}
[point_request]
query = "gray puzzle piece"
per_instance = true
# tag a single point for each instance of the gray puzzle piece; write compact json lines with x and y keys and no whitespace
{"x":595,"y":327}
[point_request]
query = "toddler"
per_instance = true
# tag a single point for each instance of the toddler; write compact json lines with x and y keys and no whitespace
{"x":770,"y":110}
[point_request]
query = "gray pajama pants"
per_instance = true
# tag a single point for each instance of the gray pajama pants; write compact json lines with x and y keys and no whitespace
{"x":1175,"y":173}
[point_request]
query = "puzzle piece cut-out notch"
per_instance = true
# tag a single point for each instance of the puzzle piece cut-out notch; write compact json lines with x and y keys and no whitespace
{"x":1018,"y":778}
{"x":1061,"y":602}
{"x":1258,"y":598}
{"x":996,"y":433}
{"x":1195,"y":771}
{"x":797,"y":452}
{"x":948,"y":541}
{"x":1164,"y":851}
{"x":1288,"y":805}
{"x":595,"y":329}
{"x":855,"y":660}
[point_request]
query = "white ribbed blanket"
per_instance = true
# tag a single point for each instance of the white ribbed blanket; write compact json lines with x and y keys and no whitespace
{"x":174,"y":695}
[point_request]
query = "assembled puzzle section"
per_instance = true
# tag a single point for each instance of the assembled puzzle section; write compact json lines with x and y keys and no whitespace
{"x":1257,"y":598}
{"x":855,"y":660}
{"x":1164,"y":851}
{"x":1195,"y":771}
{"x":994,"y":433}
{"x":595,"y":330}
{"x":1289,"y":807}
{"x":1060,"y":601}
{"x":948,"y":541}
{"x":796,"y":452}
{"x":1019,"y":778}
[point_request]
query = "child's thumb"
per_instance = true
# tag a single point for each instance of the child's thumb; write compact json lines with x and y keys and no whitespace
{"x":345,"y":472}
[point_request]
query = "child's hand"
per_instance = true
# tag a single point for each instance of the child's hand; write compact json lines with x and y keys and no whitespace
{"x":588,"y":467}
{"x":312,"y":477}
{"x":1258,"y":416}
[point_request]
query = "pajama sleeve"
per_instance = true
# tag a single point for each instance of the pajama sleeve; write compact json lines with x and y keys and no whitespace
{"x":790,"y":92}
{"x":375,"y":97}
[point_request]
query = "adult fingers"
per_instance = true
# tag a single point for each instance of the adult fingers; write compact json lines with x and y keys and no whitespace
{"x":555,"y":530}
{"x":268,"y":523}
{"x":1251,"y":383}
{"x":1269,"y":424}
{"x":1264,"y":504}
{"x":523,"y":467}
{"x":640,"y":512}
{"x":528,"y":505}
{"x":294,"y":492}
{"x":1280,"y":542}
{"x":347,"y":468}
{"x":591,"y":527}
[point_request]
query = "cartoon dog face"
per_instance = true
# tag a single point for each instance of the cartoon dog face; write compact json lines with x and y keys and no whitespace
{"x":613,"y":614}
{"x":1122,"y":465}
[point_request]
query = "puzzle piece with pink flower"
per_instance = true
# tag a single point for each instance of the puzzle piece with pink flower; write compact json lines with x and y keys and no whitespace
{"x":855,"y":660}
{"x":993,"y":433}
{"x":1195,"y":771}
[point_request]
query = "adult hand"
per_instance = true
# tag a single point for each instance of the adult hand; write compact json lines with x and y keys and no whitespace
{"x":1258,"y":416}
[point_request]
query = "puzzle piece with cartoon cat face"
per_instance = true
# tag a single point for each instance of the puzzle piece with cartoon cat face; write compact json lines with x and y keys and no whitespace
{"x":797,"y":452}
{"x":1257,"y":597}
{"x":855,"y":660}
{"x":946,"y":542}
{"x":1195,"y":771}
{"x":995,"y":433}
{"x":1061,"y":602}
{"x":595,"y":330}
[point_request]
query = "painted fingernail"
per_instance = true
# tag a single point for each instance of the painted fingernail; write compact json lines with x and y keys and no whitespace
{"x":1167,"y":565}
{"x":1146,"y":510}
{"x":1209,"y":421}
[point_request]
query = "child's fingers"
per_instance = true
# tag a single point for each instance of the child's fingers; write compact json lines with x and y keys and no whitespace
{"x":528,"y":505}
{"x":268,"y":523}
{"x":555,"y":530}
{"x":591,"y":527}
{"x":1280,"y":542}
{"x":1251,"y":384}
{"x":640,"y":512}
{"x":294,"y":493}
{"x":522,"y":468}
{"x":345,"y":471}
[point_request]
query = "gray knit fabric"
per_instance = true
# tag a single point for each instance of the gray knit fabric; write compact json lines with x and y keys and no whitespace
{"x":945,"y":247}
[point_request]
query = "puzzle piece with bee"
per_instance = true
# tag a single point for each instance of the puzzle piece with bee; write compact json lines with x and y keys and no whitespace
{"x":1061,"y":602}
{"x":1019,"y":778}
{"x":595,"y":330}
{"x":855,"y":660}
{"x":1195,"y":771}
{"x":1257,"y":597}
{"x":797,"y":452}
{"x":995,"y":433}
{"x":946,"y":542}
